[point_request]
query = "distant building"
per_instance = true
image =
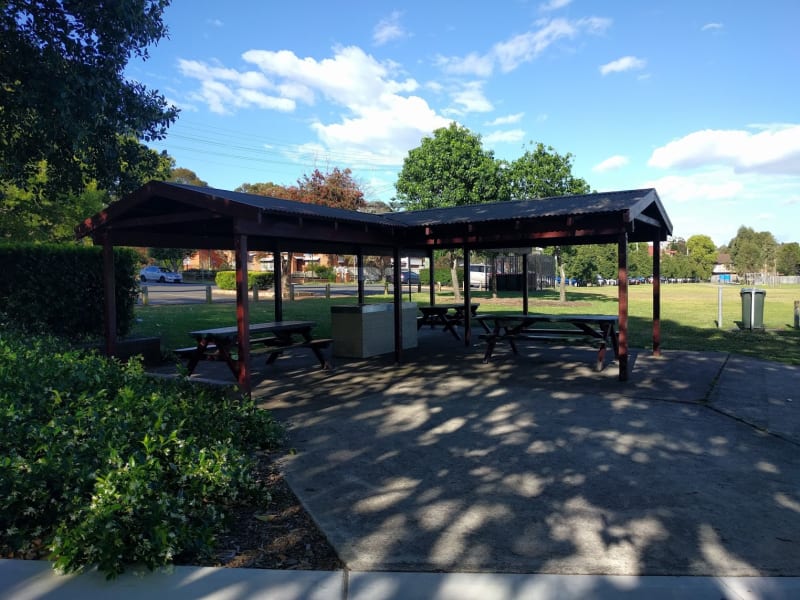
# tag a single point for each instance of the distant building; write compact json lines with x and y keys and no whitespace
{"x":723,"y":271}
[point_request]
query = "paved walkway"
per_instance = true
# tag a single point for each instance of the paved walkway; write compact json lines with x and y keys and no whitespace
{"x":532,"y":477}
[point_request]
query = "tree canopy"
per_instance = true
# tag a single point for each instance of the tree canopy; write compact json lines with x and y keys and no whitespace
{"x":543,"y":173}
{"x":64,"y":100}
{"x":336,"y":189}
{"x":753,"y":252}
{"x":449,"y":169}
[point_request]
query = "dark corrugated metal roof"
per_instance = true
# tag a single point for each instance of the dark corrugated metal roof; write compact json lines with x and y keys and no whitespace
{"x":606,"y":202}
{"x":289,"y":207}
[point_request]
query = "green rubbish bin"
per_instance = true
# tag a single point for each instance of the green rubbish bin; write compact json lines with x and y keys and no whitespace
{"x":752,"y":308}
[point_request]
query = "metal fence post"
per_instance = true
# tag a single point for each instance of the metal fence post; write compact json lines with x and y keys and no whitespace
{"x":797,"y":314}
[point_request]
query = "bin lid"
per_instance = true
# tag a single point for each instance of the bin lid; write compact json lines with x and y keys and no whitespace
{"x":753,"y":291}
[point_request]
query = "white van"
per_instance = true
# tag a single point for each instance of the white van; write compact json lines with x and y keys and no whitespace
{"x":479,"y":276}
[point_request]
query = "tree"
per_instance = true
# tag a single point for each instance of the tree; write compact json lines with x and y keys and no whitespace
{"x":753,"y":252}
{"x":449,"y":169}
{"x":703,"y":255}
{"x":787,"y":259}
{"x":64,"y":99}
{"x":172,"y":258}
{"x":272,"y":190}
{"x":186,"y":177}
{"x":543,"y":173}
{"x":336,"y":189}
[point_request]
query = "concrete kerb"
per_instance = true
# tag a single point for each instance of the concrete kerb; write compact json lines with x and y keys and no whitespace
{"x":36,"y":580}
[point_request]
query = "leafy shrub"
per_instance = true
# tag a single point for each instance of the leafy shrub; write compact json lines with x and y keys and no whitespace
{"x":104,"y":465}
{"x":324,"y":272}
{"x":59,"y":289}
{"x":226,"y":280}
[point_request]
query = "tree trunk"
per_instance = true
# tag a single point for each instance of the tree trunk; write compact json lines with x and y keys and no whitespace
{"x":454,"y":276}
{"x":562,"y":289}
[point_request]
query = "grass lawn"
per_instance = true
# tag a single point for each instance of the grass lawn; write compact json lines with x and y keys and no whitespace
{"x":688,"y":316}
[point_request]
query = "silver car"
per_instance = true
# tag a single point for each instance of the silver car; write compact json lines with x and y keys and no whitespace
{"x":160,"y":274}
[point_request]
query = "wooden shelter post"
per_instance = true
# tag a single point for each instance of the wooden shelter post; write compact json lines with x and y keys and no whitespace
{"x":524,"y":284}
{"x":431,"y":280}
{"x":109,"y":298}
{"x":278,"y":274}
{"x":360,"y":267}
{"x":622,"y":255}
{"x":467,"y":299}
{"x":657,"y":297}
{"x":398,"y":306}
{"x":242,"y":312}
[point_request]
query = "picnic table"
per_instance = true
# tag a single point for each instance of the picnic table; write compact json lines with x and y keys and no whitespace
{"x":597,"y":329}
{"x":447,"y":315}
{"x":220,"y":343}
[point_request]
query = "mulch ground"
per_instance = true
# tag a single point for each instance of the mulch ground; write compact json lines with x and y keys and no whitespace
{"x":280,"y":536}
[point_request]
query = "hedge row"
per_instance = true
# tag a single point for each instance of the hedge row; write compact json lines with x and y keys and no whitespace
{"x":226,"y":280}
{"x":59,"y":289}
{"x":103,"y":465}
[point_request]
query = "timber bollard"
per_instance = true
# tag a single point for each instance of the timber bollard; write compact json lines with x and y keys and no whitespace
{"x":291,"y":292}
{"x":328,"y":291}
{"x":208,"y":294}
{"x":255,"y":293}
{"x":797,"y":314}
{"x":146,"y":298}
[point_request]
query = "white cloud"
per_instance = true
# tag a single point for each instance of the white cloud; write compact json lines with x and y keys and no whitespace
{"x":224,"y":89}
{"x":388,"y":29}
{"x":379,"y":118}
{"x":470,"y":98}
{"x":507,"y":120}
{"x":215,"y":22}
{"x":614,"y":162}
{"x":522,"y":48}
{"x":554,"y":5}
{"x":508,"y":136}
{"x":712,"y":27}
{"x":770,"y":152}
{"x":697,"y":188}
{"x":626,"y":63}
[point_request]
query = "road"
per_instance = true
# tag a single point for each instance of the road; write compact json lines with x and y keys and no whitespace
{"x":195,"y":293}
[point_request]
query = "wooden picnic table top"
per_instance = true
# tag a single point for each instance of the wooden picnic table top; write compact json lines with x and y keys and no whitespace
{"x":552,"y":318}
{"x":218,"y":333}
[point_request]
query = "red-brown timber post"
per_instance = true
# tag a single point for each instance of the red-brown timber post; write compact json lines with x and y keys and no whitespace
{"x":622,"y":275}
{"x":242,"y":313}
{"x":657,"y":296}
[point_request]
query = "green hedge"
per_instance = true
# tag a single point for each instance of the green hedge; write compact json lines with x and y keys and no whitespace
{"x":226,"y":280}
{"x":59,"y":289}
{"x":443,"y":276}
{"x":103,"y":465}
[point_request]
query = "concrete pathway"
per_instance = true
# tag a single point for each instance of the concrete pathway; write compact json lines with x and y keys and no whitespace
{"x":529,"y":477}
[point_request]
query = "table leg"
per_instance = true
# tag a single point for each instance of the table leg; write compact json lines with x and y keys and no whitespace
{"x":197,"y":356}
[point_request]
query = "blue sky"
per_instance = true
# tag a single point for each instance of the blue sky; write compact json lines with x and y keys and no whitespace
{"x":700,"y":100}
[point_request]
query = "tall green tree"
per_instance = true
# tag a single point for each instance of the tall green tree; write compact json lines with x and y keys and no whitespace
{"x":185,"y":176}
{"x":703,"y":255}
{"x":450,"y":168}
{"x":64,"y":100}
{"x":753,"y":252}
{"x":542,"y":172}
{"x":787,"y":259}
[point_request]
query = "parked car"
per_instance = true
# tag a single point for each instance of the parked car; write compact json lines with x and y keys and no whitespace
{"x":160,"y":274}
{"x":405,"y":277}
